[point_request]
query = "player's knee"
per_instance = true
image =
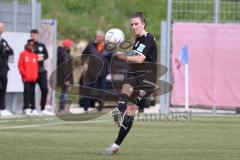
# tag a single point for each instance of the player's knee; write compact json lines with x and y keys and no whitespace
{"x":131,"y":110}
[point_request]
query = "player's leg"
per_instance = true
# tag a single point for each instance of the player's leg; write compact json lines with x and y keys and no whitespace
{"x":3,"y":87}
{"x":42,"y":81}
{"x":63,"y":97}
{"x":26,"y":99}
{"x":43,"y":84}
{"x":124,"y":129}
{"x":32,"y":95}
{"x":127,"y":122}
{"x":102,"y":85}
{"x":118,"y":111}
{"x":128,"y":118}
{"x":127,"y":91}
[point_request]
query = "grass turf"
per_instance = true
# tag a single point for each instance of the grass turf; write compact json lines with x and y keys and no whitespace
{"x":47,"y":138}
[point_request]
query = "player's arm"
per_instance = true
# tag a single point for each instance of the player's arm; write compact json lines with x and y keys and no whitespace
{"x":8,"y":49}
{"x":137,"y":55}
{"x":135,"y":59}
{"x":21,"y":65}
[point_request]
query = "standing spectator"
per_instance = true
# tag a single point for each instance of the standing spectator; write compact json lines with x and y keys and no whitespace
{"x":28,"y":68}
{"x":5,"y":52}
{"x":97,"y":49}
{"x":42,"y":53}
{"x":65,"y":76}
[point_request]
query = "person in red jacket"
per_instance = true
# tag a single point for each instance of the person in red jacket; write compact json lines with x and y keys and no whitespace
{"x":28,"y":68}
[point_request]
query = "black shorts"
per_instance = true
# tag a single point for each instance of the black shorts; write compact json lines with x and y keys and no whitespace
{"x":143,"y":84}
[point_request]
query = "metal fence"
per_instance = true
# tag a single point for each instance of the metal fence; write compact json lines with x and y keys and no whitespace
{"x":212,"y":11}
{"x":206,"y":10}
{"x":20,"y":17}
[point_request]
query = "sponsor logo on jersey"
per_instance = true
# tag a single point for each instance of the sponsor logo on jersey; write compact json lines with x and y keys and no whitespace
{"x":141,"y":47}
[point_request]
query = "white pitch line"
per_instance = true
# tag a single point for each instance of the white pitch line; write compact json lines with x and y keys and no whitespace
{"x":51,"y":124}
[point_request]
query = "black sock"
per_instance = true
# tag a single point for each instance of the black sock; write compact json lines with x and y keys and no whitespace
{"x":122,"y":103}
{"x":127,"y":123}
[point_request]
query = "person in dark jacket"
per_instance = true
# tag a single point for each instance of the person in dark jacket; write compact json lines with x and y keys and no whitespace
{"x":65,"y":75}
{"x":5,"y":52}
{"x":42,"y":53}
{"x":28,"y":68}
{"x":97,"y":49}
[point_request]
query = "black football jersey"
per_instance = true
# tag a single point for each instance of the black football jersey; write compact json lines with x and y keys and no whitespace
{"x":146,"y":46}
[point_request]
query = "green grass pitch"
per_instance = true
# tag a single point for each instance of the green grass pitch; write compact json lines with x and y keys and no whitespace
{"x":48,"y":138}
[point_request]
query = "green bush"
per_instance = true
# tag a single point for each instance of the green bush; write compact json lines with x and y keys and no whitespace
{"x":79,"y":19}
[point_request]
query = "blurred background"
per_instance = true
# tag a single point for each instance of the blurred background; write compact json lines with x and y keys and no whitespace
{"x":196,"y":25}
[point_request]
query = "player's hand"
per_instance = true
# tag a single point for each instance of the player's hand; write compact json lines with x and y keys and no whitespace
{"x":121,"y":56}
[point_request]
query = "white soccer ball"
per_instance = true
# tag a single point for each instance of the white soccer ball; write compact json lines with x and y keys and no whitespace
{"x":114,"y":36}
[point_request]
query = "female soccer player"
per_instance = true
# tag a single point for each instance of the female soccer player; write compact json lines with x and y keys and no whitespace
{"x":139,"y":81}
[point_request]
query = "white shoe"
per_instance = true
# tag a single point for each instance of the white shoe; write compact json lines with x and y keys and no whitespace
{"x":111,"y":150}
{"x":46,"y":113}
{"x":8,"y":113}
{"x":35,"y":113}
{"x":28,"y":112}
{"x":5,"y":113}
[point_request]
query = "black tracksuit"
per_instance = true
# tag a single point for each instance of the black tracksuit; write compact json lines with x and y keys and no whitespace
{"x":5,"y":52}
{"x":65,"y":73}
{"x":40,"y":48}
